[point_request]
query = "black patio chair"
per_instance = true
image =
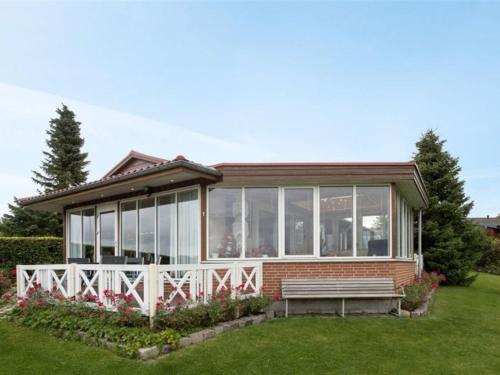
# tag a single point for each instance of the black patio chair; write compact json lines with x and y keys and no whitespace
{"x":79,"y":260}
{"x":111,"y":259}
{"x":135,"y":260}
{"x":377,"y":248}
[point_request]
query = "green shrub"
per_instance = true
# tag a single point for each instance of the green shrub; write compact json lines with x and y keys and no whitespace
{"x":490,"y":261}
{"x":67,"y":319}
{"x":417,"y":293}
{"x":220,"y":308}
{"x":30,"y":250}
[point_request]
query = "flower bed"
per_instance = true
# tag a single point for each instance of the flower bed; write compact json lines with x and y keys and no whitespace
{"x":417,"y":294}
{"x":125,"y":330}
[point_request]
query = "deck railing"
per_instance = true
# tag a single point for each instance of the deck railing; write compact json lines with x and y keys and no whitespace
{"x":146,"y":284}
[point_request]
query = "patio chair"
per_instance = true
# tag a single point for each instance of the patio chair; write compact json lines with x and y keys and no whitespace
{"x":377,"y":248}
{"x":135,"y":260}
{"x":79,"y":260}
{"x":111,"y":259}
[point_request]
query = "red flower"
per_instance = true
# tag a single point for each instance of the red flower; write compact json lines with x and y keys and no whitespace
{"x":7,"y":297}
{"x":128,"y":311}
{"x":277,"y":296}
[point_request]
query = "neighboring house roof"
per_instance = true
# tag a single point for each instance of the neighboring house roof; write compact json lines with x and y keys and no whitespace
{"x":487,"y":222}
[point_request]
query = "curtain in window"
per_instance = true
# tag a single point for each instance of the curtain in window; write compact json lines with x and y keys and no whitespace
{"x":188,"y":227}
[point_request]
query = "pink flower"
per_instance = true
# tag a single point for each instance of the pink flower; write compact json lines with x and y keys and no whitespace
{"x":7,"y":296}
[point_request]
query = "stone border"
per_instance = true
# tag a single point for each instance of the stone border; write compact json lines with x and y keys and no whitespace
{"x":423,"y":309}
{"x":154,"y":352}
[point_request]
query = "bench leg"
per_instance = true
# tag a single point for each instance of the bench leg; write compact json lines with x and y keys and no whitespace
{"x":286,"y":308}
{"x":343,"y":307}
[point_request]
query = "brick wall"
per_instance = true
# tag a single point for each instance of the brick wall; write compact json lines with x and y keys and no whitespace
{"x":403,"y":272}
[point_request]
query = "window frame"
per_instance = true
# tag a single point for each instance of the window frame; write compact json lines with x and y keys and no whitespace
{"x":67,"y":230}
{"x":316,"y":223}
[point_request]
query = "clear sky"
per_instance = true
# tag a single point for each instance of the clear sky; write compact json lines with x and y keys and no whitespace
{"x":253,"y":81}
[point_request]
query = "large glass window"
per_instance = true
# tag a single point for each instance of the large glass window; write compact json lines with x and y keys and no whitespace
{"x":107,"y":232}
{"x":167,"y":229}
{"x":405,"y":228}
{"x":188,"y":227}
{"x":225,"y":223}
{"x":261,"y":222}
{"x":372,"y":220}
{"x":299,"y":231}
{"x":147,"y":229}
{"x":88,"y":224}
{"x":129,"y":228}
{"x":82,"y":234}
{"x":75,"y":237}
{"x":336,"y":212}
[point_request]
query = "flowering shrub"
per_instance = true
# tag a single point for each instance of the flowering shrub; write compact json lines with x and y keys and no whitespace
{"x":69,"y":318}
{"x":5,"y":282}
{"x":220,"y":307}
{"x":417,"y":292}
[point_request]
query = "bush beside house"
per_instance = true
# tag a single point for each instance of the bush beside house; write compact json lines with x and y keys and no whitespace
{"x":30,"y":250}
{"x":490,"y":261}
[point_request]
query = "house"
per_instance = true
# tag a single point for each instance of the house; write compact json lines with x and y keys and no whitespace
{"x":491,"y":225}
{"x":296,"y":220}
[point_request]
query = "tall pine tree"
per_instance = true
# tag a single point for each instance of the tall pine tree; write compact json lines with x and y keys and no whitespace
{"x":63,"y":166}
{"x":64,"y":163}
{"x":450,"y":243}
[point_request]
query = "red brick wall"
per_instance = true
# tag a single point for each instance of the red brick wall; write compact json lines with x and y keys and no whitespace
{"x":403,"y":272}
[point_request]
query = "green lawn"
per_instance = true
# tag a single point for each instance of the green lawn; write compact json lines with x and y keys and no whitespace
{"x":462,"y":336}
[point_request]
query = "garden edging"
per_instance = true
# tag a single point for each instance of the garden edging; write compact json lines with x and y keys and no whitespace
{"x":200,"y":336}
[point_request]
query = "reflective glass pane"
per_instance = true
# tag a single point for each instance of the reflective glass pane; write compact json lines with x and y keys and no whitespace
{"x":75,"y":237}
{"x":188,"y":227}
{"x":107,"y":232}
{"x":261,"y":222}
{"x":336,"y":210}
{"x":88,"y":218}
{"x":166,"y":229}
{"x":147,"y":229}
{"x":225,"y":225}
{"x":129,"y":228}
{"x":372,"y":203}
{"x":299,"y":222}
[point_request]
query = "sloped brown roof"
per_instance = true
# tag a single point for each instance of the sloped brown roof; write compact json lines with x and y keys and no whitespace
{"x":179,"y":161}
{"x":133,"y":161}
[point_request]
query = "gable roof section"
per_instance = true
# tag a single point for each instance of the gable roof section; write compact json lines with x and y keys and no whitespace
{"x":133,"y":161}
{"x":123,"y":172}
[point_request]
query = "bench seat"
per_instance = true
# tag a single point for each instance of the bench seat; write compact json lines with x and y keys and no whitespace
{"x":339,"y":288}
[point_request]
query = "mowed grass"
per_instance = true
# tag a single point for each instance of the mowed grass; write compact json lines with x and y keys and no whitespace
{"x":461,"y":336}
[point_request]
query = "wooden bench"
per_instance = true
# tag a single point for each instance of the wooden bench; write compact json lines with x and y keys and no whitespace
{"x":344,"y":288}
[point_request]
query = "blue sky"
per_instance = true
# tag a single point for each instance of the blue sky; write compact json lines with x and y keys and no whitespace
{"x":253,"y":81}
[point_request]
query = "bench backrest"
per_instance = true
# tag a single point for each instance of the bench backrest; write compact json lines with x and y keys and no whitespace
{"x":337,"y":288}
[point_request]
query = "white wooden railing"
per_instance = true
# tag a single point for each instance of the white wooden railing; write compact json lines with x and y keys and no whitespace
{"x":146,"y":284}
{"x":419,"y":264}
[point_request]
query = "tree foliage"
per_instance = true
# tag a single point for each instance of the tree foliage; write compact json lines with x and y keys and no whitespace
{"x":63,"y":167}
{"x":451,"y":244}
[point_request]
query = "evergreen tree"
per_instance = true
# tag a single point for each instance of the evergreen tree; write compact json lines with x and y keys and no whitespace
{"x":24,"y":222}
{"x":450,"y":243}
{"x":63,"y":166}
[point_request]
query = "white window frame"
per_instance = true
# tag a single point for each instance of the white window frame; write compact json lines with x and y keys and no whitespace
{"x":68,"y":229}
{"x":243,"y":229}
{"x":116,"y":206}
{"x":316,"y":224}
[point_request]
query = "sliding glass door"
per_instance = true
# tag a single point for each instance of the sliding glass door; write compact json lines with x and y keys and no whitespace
{"x":107,"y":232}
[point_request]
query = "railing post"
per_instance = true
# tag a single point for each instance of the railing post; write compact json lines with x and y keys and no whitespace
{"x":71,"y":277}
{"x":259,"y":278}
{"x":20,"y":281}
{"x":152,"y":291}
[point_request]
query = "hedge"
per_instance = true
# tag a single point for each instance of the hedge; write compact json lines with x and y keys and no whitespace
{"x":30,"y":250}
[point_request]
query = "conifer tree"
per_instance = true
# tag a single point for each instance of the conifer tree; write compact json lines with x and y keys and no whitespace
{"x":450,"y":243}
{"x":63,"y":166}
